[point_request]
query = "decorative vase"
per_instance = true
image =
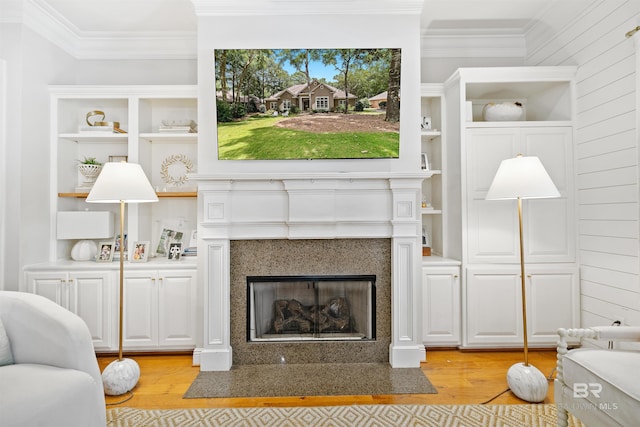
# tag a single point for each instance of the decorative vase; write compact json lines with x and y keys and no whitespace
{"x":503,"y":112}
{"x":90,"y":172}
{"x":84,"y":250}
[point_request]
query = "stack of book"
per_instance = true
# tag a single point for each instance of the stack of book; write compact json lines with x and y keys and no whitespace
{"x":96,"y":129}
{"x":178,"y":126}
{"x":190,"y":251}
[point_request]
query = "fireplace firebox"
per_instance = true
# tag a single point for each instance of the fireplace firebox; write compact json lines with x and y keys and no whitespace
{"x":311,"y":308}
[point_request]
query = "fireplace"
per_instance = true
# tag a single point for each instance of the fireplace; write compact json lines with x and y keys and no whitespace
{"x":311,"y":308}
{"x":301,"y":224}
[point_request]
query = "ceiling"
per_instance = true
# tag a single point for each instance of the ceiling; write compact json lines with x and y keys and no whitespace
{"x":82,"y":21}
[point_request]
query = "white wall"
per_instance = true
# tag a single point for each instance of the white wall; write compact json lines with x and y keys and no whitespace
{"x":606,"y":147}
{"x":326,"y":31}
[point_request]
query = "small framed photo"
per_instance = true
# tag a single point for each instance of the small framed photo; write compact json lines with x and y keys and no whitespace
{"x":140,"y":252}
{"x":424,"y":161}
{"x":118,"y":159}
{"x":105,"y":251}
{"x":175,"y":249}
{"x":426,"y":123}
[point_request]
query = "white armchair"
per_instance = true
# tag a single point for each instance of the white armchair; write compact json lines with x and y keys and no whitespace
{"x":54,"y":379}
{"x":601,"y":387}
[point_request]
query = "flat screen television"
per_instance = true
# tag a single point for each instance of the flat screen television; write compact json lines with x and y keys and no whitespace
{"x":282,"y":104}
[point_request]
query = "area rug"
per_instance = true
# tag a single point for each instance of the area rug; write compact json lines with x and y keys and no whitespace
{"x":541,"y":415}
{"x":313,"y":379}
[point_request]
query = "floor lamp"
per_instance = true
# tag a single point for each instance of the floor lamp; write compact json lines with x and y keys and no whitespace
{"x":121,"y":183}
{"x":523,"y":178}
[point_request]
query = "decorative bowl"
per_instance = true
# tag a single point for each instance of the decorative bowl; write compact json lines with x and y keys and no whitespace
{"x":503,"y":112}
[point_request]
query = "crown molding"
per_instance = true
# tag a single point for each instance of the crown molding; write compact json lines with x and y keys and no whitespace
{"x":46,"y":22}
{"x":472,"y":44}
{"x":307,"y":7}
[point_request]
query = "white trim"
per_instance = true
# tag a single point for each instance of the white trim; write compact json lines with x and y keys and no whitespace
{"x":636,"y":42}
{"x":307,"y":7}
{"x":324,"y":98}
{"x":48,"y":23}
{"x":3,"y":168}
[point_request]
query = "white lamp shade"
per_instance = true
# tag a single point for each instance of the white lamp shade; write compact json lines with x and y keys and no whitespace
{"x":522,"y":177}
{"x":122,"y":182}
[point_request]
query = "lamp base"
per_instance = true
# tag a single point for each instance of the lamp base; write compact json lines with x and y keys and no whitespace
{"x":120,"y":376}
{"x":527,"y":382}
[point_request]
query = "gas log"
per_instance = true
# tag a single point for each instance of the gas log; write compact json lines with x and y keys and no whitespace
{"x":292,"y":316}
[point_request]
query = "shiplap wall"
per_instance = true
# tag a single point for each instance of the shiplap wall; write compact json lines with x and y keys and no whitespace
{"x":605,"y":146}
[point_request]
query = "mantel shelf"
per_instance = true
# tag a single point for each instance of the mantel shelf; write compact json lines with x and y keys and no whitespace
{"x":160,"y":194}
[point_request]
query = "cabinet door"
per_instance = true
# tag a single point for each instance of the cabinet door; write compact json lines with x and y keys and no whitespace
{"x":553,"y":302}
{"x":93,"y":301}
{"x":492,"y":225}
{"x":494,"y":308}
{"x":441,"y":306}
{"x":549,"y":223}
{"x":140,"y":325}
{"x":53,"y":285}
{"x":177,"y":308}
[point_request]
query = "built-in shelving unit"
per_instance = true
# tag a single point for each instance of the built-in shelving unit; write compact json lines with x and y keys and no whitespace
{"x":432,"y":152}
{"x":141,"y":112}
{"x":484,"y":234}
{"x":161,"y":292}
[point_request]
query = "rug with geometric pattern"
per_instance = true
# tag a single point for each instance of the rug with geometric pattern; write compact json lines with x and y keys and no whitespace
{"x":530,"y":415}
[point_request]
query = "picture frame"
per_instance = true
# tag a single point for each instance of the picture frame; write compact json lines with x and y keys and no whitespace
{"x":175,"y":250}
{"x":167,"y":237}
{"x":118,"y":159}
{"x":424,"y":161}
{"x":426,"y":123}
{"x":116,"y":249}
{"x":105,"y":251}
{"x":140,"y":251}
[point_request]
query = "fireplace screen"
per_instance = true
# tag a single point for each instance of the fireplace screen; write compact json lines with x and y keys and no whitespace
{"x":302,"y":308}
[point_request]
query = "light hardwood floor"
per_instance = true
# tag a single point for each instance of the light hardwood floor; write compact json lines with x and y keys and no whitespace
{"x":460,"y":378}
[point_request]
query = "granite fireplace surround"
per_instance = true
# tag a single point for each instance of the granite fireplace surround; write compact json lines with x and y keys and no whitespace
{"x":345,"y":223}
{"x":310,"y":257}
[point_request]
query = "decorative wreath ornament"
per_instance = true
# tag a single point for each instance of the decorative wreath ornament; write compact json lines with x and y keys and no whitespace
{"x":176,"y":179}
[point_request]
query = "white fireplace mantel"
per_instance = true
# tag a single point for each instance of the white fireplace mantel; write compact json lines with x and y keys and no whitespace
{"x":317,"y":206}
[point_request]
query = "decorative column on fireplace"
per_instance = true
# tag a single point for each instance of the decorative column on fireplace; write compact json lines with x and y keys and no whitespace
{"x":294,"y":206}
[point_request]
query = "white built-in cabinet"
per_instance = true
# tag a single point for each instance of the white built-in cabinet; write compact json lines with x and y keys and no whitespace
{"x":163,"y":313}
{"x":483,"y":234}
{"x":89,"y":294}
{"x":494,"y":305}
{"x":160,"y":309}
{"x":160,"y":300}
{"x":492,"y":226}
{"x":441,"y":305}
{"x":440,"y":274}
